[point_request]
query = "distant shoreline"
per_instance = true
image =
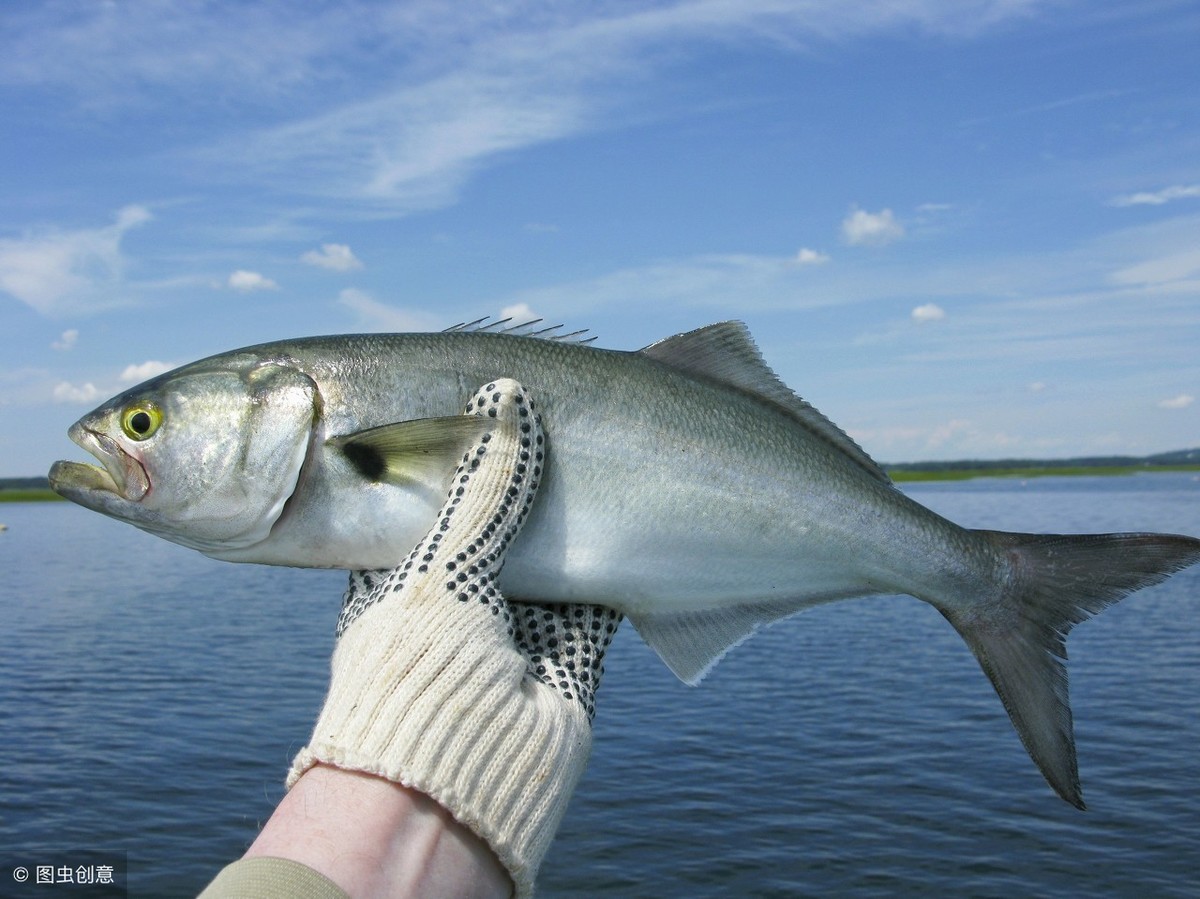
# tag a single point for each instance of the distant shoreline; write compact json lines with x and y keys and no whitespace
{"x":903,"y":476}
{"x":900,"y":475}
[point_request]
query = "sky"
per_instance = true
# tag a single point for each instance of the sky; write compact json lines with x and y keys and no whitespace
{"x":960,"y":228}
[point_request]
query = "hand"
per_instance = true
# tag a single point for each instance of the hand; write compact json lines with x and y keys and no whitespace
{"x":443,"y":686}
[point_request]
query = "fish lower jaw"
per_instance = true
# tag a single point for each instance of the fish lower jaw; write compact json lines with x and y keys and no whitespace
{"x":72,"y":478}
{"x":119,"y":473}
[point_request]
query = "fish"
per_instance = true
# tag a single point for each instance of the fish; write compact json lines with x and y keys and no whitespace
{"x":685,"y":485}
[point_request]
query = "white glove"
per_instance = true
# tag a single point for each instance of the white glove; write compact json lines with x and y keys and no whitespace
{"x":442,"y":685}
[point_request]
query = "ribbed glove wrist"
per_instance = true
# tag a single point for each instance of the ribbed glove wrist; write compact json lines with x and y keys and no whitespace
{"x":440,"y":685}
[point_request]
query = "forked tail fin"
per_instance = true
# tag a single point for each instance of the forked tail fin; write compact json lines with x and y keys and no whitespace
{"x":1019,"y":638}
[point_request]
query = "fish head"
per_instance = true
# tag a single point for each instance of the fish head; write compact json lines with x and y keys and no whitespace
{"x":205,"y":456}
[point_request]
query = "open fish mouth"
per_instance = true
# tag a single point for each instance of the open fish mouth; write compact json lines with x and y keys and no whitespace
{"x":121,"y":474}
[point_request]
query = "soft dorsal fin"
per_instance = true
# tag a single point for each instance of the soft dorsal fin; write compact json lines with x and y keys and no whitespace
{"x":725,"y":352}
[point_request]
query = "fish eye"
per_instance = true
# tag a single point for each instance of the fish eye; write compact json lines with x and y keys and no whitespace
{"x":141,"y":420}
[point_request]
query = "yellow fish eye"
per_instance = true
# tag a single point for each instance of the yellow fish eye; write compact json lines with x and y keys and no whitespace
{"x":141,"y":420}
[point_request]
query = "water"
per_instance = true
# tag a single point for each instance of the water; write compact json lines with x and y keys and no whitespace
{"x":151,"y":699}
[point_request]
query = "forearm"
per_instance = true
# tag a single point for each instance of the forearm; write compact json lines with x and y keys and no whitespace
{"x":438,"y":682}
{"x":373,"y":837}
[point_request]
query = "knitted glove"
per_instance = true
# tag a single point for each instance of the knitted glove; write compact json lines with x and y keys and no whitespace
{"x":441,"y":685}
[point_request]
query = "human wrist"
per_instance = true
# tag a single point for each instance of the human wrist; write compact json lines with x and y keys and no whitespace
{"x":373,"y":837}
{"x":457,"y":719}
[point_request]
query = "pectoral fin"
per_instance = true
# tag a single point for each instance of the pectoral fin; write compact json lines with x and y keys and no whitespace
{"x":422,"y":451}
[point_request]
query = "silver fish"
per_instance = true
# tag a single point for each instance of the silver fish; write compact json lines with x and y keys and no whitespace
{"x":685,"y":486}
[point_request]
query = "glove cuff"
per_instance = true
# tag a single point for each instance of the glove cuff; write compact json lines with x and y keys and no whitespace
{"x":452,"y":712}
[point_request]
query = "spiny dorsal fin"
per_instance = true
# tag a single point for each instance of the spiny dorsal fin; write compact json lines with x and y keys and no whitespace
{"x":521,"y":329}
{"x":725,"y":352}
{"x":421,"y":451}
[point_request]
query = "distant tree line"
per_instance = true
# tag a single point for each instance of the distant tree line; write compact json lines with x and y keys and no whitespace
{"x":24,"y":483}
{"x":1179,"y":457}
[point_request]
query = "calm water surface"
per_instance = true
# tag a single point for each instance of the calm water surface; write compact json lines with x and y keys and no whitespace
{"x":151,"y":699}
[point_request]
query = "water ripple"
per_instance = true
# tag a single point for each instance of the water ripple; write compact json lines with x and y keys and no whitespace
{"x":151,"y":700}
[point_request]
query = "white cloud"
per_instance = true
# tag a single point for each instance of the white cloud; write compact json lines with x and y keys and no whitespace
{"x":929,"y":312}
{"x":376,"y":316}
{"x":520,"y":313}
{"x":871,"y":229}
{"x":336,"y":257}
{"x":246,"y":282}
{"x":1178,"y":402}
{"x":135,"y":374}
{"x":811,"y":257}
{"x":55,"y":271}
{"x":65,"y":392}
{"x":1158,"y":197}
{"x":67,"y":341}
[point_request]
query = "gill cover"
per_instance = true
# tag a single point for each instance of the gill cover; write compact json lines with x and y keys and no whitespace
{"x":227,"y":455}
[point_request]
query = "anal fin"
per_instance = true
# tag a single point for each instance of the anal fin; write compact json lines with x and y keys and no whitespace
{"x":691,"y":643}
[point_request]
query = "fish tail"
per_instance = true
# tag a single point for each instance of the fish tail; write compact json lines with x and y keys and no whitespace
{"x":1052,"y":583}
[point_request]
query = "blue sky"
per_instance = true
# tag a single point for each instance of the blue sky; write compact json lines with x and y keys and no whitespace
{"x":961,"y":228}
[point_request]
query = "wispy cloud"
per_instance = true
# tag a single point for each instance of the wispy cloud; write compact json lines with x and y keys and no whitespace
{"x":733,"y":280}
{"x":871,"y":229}
{"x":1158,"y":197}
{"x":470,"y":86}
{"x":112,"y":54}
{"x":1161,"y":269}
{"x":248,"y":282}
{"x":373,"y":315}
{"x":411,"y":149}
{"x":1177,"y":402}
{"x":337,"y":257}
{"x":255,"y":50}
{"x":56,"y":272}
{"x":960,"y":435}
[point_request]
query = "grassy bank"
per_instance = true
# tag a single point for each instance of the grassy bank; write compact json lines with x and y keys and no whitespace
{"x":30,"y":495}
